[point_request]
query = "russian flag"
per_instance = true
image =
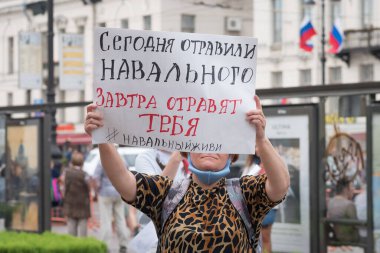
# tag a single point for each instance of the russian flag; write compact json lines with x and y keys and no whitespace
{"x":336,"y":38}
{"x":306,"y":33}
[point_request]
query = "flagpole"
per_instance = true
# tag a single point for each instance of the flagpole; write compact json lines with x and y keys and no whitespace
{"x":323,"y":42}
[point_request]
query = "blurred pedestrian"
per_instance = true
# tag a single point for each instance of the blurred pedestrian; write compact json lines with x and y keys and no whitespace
{"x":341,"y":206}
{"x":77,"y":196}
{"x":111,"y":208}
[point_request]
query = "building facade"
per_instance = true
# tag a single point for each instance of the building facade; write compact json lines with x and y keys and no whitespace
{"x":276,"y":24}
{"x":281,"y":62}
{"x":232,"y":17}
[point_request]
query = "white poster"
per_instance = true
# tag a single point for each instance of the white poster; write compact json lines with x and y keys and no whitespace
{"x":30,"y":60}
{"x":175,"y":91}
{"x":290,"y":136}
{"x":71,"y":62}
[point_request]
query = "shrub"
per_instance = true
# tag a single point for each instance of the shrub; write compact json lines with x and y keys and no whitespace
{"x":12,"y":242}
{"x":6,"y":213}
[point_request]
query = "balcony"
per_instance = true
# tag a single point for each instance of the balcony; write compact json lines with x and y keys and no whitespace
{"x":364,"y":40}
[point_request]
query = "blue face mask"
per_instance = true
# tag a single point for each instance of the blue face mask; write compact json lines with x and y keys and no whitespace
{"x":209,"y":177}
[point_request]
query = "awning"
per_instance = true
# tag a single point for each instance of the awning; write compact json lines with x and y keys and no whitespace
{"x":73,"y":138}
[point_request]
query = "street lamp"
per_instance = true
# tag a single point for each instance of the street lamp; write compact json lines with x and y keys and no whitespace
{"x":37,"y":8}
{"x":323,"y":40}
{"x":323,"y":36}
{"x":55,"y":151}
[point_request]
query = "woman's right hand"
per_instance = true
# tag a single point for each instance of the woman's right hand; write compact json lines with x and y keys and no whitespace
{"x":94,"y":119}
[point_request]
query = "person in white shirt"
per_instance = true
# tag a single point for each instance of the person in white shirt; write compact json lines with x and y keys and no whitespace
{"x":161,"y":162}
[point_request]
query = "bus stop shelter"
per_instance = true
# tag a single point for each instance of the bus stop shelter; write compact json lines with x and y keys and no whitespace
{"x":324,"y":133}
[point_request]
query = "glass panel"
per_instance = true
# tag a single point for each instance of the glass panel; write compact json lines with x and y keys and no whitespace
{"x":290,"y":136}
{"x":376,"y":178}
{"x":306,"y":9}
{"x":188,"y":23}
{"x":277,"y":79}
{"x":10,"y":55}
{"x":366,"y":72}
{"x":81,"y":29}
{"x":22,"y":177}
{"x":147,"y":22}
{"x":345,"y":157}
{"x":305,"y":77}
{"x":335,"y":11}
{"x":335,"y":74}
{"x":277,"y":21}
{"x":366,"y":13}
{"x":124,"y":23}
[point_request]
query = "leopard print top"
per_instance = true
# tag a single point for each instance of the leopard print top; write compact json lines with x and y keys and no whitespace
{"x":204,"y":220}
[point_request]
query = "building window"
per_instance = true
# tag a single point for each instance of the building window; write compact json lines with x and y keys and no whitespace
{"x":80,"y":29}
{"x":102,"y":24}
{"x":335,"y":74}
{"x":147,"y":22}
{"x":9,"y":98}
{"x":366,"y":73}
{"x":335,"y":12}
{"x":62,"y":115}
{"x":352,"y":106}
{"x":11,"y":55}
{"x":305,"y":77}
{"x":125,"y":23}
{"x":44,"y":44}
{"x":187,"y":23}
{"x":305,"y":9}
{"x":277,"y":79}
{"x":366,"y":12}
{"x":81,"y":110}
{"x":277,"y":21}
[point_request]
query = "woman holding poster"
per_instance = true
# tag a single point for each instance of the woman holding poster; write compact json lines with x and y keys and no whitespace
{"x":206,"y":217}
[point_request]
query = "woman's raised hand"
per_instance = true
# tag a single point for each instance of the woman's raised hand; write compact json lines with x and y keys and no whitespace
{"x":256,"y":117}
{"x":94,"y":119}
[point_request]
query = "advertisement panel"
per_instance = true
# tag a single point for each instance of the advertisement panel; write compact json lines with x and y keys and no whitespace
{"x":289,"y":134}
{"x":71,"y":62}
{"x":23,"y":186}
{"x":30,"y":60}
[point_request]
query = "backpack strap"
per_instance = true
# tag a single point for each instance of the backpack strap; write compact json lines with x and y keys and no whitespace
{"x":237,"y":199}
{"x":175,"y":195}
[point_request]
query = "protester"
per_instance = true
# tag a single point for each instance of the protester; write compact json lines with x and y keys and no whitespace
{"x":341,"y":206}
{"x":77,"y":196}
{"x":204,"y":219}
{"x":111,"y":207}
{"x":253,"y":168}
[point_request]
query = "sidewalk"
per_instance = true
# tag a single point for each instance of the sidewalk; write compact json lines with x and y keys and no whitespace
{"x":93,"y":230}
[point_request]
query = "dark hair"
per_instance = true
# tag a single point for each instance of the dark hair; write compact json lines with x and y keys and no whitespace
{"x":342,"y":184}
{"x":251,"y":159}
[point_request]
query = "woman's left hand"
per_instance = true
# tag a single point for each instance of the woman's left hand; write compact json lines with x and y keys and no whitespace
{"x":256,"y":117}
